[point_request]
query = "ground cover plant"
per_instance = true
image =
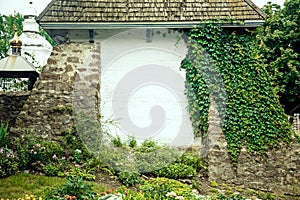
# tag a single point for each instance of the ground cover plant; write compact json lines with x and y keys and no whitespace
{"x":142,"y":186}
{"x":17,"y":186}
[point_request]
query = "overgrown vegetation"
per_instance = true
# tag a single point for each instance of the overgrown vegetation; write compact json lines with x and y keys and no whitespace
{"x":253,"y":116}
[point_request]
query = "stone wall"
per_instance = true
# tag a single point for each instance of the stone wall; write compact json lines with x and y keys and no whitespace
{"x":278,"y":170}
{"x":11,"y":104}
{"x":49,"y":109}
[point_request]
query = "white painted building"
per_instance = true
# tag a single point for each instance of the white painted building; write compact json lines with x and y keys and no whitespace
{"x":142,"y":87}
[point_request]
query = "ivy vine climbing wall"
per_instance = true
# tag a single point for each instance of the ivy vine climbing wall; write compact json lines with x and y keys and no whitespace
{"x":226,"y":65}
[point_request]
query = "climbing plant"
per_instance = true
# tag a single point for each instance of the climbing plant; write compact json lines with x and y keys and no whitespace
{"x":223,"y":59}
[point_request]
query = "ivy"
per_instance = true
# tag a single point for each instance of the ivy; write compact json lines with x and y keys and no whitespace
{"x":225,"y":65}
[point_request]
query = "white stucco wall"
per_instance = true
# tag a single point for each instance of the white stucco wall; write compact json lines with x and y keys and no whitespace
{"x":142,"y":88}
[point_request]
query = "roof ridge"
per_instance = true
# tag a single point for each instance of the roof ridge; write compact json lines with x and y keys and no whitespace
{"x":71,"y":11}
{"x":45,"y":10}
{"x":256,"y":8}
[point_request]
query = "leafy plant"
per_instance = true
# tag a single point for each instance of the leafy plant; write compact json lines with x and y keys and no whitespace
{"x":75,"y":171}
{"x":74,"y":186}
{"x":117,"y":142}
{"x":130,"y":178}
{"x":176,"y":171}
{"x":51,"y":170}
{"x":147,"y":146}
{"x":193,"y":160}
{"x":158,"y":188}
{"x":132,"y":142}
{"x":3,"y":134}
{"x":8,"y":162}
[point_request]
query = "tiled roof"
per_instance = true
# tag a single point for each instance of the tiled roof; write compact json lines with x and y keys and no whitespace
{"x":139,"y":11}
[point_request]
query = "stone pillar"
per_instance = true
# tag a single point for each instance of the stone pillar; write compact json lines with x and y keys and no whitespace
{"x":49,"y":109}
{"x":220,"y":168}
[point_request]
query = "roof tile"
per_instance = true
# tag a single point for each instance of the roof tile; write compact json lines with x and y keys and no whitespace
{"x":104,"y":11}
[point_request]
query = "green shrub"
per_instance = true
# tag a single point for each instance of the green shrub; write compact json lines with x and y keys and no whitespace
{"x":3,"y":134}
{"x":130,"y":178}
{"x":231,"y":197}
{"x":135,"y":196}
{"x":75,"y":171}
{"x":176,"y":171}
{"x":117,"y":142}
{"x":75,"y":186}
{"x":132,"y":142}
{"x":158,"y":188}
{"x":41,"y":153}
{"x":147,"y":146}
{"x":194,"y":161}
{"x":51,"y":170}
{"x":8,"y":163}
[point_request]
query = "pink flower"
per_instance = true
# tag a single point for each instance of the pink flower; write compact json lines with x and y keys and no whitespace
{"x":54,"y":156}
{"x":38,"y":145}
{"x":63,"y":158}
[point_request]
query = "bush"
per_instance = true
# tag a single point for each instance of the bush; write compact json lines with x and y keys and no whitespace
{"x":162,"y":188}
{"x":176,"y":171}
{"x":75,"y":171}
{"x":192,"y":160}
{"x":76,"y":187}
{"x":130,"y":178}
{"x":51,"y":170}
{"x":8,"y":163}
{"x":3,"y":134}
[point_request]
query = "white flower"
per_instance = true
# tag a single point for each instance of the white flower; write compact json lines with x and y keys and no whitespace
{"x":77,"y":151}
{"x":179,"y":197}
{"x":171,"y":194}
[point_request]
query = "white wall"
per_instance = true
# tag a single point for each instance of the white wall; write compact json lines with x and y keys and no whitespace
{"x":142,"y":88}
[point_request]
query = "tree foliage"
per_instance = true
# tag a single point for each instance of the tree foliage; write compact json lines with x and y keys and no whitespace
{"x":7,"y":31}
{"x":279,"y":49}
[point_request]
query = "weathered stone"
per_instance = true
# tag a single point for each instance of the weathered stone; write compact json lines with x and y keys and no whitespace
{"x":11,"y":105}
{"x":40,"y":113}
{"x":50,"y":76}
{"x":92,"y":77}
{"x":69,"y":68}
{"x":73,"y":59}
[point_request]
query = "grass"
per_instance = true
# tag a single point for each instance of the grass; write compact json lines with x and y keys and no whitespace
{"x":18,"y":186}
